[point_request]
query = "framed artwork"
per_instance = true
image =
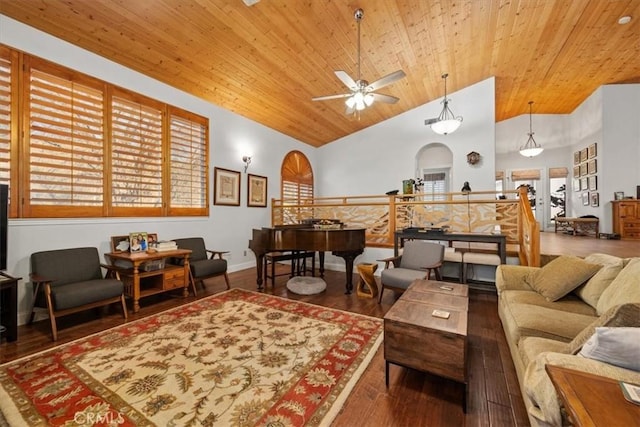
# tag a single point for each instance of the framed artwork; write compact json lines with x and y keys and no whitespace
{"x":584,"y":184}
{"x":584,"y":155}
{"x":257,"y":191}
{"x":583,"y":169}
{"x":618,"y":195}
{"x":593,"y":183}
{"x":576,"y":158}
{"x":576,"y":185}
{"x":595,"y":199}
{"x":592,"y":151}
{"x":138,"y":242}
{"x":592,"y":167}
{"x":576,"y":171}
{"x":585,"y":198}
{"x":226,"y":187}
{"x":119,"y":243}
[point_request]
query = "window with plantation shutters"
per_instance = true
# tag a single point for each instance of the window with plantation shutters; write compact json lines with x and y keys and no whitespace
{"x":188,"y":135}
{"x":136,"y":153}
{"x":81,"y":147}
{"x":66,"y":146}
{"x":6,"y":79}
{"x":435,"y":184}
{"x":296,"y":187}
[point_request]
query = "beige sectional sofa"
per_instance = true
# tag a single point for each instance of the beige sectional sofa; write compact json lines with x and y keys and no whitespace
{"x":547,"y":319}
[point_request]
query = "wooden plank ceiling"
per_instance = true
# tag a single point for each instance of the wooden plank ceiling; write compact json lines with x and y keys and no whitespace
{"x":267,"y":61}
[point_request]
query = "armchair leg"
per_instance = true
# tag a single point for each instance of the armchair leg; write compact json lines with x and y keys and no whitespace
{"x":124,"y":306}
{"x":193,"y":284}
{"x":33,"y":302}
{"x":226,"y":279}
{"x":381,"y":292}
{"x":52,"y":317}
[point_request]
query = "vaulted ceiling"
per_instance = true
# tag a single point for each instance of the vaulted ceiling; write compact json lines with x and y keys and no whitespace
{"x":266,"y":61}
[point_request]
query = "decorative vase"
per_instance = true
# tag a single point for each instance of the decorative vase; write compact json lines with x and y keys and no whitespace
{"x":407,"y":186}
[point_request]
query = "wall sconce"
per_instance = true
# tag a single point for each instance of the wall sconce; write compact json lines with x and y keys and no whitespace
{"x":247,"y":162}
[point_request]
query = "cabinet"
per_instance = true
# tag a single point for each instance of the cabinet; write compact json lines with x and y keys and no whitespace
{"x":147,"y":274}
{"x":626,"y":218}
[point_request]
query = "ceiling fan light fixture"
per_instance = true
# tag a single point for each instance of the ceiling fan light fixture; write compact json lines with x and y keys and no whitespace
{"x":447,"y":122}
{"x":368,"y":99}
{"x":531,"y":148}
{"x":351,"y":102}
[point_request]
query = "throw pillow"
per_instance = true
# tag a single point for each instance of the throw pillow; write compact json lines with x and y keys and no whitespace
{"x":621,"y":315}
{"x":590,"y":292}
{"x":561,"y":276}
{"x":615,"y":346}
{"x":623,"y":289}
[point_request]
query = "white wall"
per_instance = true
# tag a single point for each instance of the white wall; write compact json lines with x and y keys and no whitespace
{"x":231,"y":136}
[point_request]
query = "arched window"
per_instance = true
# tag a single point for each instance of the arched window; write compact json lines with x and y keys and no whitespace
{"x":296,"y":180}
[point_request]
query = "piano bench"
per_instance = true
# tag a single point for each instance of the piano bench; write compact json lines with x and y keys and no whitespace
{"x":298,"y":264}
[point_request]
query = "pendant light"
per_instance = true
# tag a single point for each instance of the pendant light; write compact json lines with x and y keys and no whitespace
{"x":531,"y":148}
{"x":446,"y":122}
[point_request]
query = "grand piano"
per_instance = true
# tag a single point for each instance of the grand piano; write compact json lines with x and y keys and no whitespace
{"x":346,"y":243}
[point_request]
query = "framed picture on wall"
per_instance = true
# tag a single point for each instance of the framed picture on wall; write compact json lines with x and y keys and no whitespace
{"x":595,"y":199}
{"x":576,"y":158}
{"x":257,"y":191}
{"x":576,"y":171}
{"x":593,"y":183}
{"x":591,"y":151}
{"x":585,"y":198}
{"x":226,"y":187}
{"x":592,"y":167}
{"x":584,"y":184}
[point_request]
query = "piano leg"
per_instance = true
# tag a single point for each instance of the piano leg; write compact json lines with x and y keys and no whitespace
{"x":259,"y":268}
{"x":321,"y":258}
{"x":349,"y":258}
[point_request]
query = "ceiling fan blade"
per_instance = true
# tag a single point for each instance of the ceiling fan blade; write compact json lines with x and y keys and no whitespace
{"x":386,"y":80}
{"x":428,"y":122}
{"x":385,"y":98}
{"x":324,"y":98}
{"x":346,"y":79}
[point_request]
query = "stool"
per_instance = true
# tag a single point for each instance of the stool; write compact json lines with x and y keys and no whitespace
{"x":367,"y":286}
{"x":478,"y":258}
{"x":450,"y":255}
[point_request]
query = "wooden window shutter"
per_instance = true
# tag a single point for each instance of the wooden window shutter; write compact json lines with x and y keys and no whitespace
{"x":65,"y":144}
{"x":499,"y":175}
{"x":189,"y":136}
{"x":8,"y":80}
{"x":296,"y":186}
{"x":558,"y":172}
{"x":136,"y":154}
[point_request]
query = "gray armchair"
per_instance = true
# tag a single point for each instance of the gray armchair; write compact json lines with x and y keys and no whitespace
{"x":203,"y":263}
{"x":417,"y":261}
{"x":66,"y":281}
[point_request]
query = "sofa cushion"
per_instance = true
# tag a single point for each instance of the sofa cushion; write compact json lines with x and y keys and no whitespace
{"x":570,"y":302}
{"x":561,"y":276}
{"x":615,"y":346}
{"x":611,"y":266}
{"x":530,"y":347}
{"x":544,"y":322}
{"x":616,"y":316}
{"x":625,"y":288}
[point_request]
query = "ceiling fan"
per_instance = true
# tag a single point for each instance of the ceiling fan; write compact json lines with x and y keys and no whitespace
{"x":362,"y":92}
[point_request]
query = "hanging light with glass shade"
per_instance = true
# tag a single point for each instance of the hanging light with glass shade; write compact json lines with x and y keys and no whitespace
{"x":531,"y":148}
{"x":446,"y":122}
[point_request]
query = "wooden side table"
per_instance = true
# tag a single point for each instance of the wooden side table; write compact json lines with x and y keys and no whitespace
{"x":367,"y":286}
{"x":591,"y":400}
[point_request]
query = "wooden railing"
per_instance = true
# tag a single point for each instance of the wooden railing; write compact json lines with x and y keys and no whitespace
{"x":381,"y":216}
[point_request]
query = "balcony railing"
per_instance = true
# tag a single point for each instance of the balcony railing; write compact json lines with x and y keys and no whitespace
{"x":381,"y":216}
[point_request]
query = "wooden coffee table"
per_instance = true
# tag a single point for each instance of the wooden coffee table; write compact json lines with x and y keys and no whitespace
{"x":416,"y":339}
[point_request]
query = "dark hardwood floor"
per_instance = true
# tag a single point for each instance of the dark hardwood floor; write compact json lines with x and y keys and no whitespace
{"x":413,"y":398}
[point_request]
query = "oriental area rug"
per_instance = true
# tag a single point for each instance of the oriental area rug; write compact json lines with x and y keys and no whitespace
{"x":238,"y":358}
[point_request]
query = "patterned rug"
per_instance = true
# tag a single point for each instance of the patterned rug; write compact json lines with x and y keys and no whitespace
{"x":238,"y":358}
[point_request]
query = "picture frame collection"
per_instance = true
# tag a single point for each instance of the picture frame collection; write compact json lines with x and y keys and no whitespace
{"x":585,"y":175}
{"x":226,"y":188}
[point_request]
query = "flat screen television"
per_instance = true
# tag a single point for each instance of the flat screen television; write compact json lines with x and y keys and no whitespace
{"x":4,"y":224}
